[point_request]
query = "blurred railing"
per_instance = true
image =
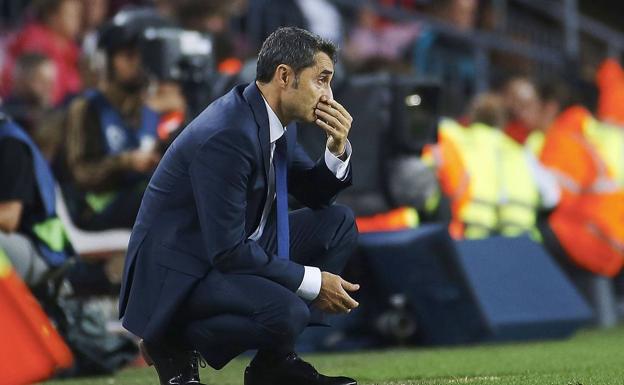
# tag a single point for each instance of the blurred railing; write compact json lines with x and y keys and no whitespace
{"x":566,"y":13}
{"x":548,"y":34}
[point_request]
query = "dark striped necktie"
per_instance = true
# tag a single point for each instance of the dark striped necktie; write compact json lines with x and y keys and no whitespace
{"x":280,"y":162}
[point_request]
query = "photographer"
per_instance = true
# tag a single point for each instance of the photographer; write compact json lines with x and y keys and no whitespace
{"x":112,"y":141}
{"x":31,"y":234}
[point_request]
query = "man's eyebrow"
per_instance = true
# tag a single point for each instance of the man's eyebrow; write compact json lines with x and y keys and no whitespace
{"x":327,"y":72}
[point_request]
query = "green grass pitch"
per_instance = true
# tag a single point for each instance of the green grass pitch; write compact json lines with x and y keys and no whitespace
{"x":589,"y":358}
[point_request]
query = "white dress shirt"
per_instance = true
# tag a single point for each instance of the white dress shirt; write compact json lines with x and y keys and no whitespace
{"x":311,"y":284}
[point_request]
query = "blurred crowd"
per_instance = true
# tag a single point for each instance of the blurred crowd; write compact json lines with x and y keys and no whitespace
{"x":74,"y":78}
{"x":85,"y":120}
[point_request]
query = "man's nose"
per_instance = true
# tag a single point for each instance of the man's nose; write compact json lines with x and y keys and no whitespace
{"x":329,"y":94}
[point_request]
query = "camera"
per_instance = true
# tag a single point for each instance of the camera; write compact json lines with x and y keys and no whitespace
{"x":168,"y":52}
{"x":171,"y":53}
{"x":415,"y":113}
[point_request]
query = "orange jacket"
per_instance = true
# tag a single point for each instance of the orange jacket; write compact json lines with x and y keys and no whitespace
{"x":397,"y":219}
{"x":590,"y":228}
{"x":610,"y":83}
{"x":567,"y":152}
{"x":589,"y":220}
{"x":453,"y":178}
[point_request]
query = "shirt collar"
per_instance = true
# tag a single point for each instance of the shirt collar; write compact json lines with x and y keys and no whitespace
{"x":275,"y":126}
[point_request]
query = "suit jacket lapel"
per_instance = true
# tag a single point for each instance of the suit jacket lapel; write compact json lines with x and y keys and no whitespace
{"x":255,"y":100}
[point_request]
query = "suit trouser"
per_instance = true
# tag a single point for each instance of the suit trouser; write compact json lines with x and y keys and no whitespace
{"x":232,"y":313}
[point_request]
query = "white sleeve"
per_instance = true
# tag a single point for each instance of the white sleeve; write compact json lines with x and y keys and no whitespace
{"x":311,"y":285}
{"x":335,"y":165}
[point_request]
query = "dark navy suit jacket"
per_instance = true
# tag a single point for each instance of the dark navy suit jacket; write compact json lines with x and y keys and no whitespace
{"x":203,"y":202}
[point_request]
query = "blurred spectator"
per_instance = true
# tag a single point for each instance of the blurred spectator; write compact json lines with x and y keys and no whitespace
{"x":587,"y":225}
{"x":495,"y":186}
{"x":31,"y":97}
{"x":488,"y":109}
{"x":532,"y":108}
{"x":111,"y":141}
{"x":30,"y":233}
{"x":322,"y":18}
{"x":523,"y":107}
{"x":585,"y":151}
{"x":610,"y":84}
{"x":319,"y":16}
{"x":165,"y":8}
{"x":34,"y":239}
{"x":265,"y":16}
{"x":202,"y":15}
{"x":53,"y":33}
{"x":95,"y":13}
{"x":375,"y":43}
{"x":448,"y":57}
{"x":213,"y":17}
{"x":462,"y":14}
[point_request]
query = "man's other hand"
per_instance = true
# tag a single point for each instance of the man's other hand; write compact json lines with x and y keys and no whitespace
{"x":333,"y":297}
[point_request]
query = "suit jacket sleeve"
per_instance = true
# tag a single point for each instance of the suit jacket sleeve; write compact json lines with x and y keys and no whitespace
{"x":219,"y":175}
{"x":313,"y":184}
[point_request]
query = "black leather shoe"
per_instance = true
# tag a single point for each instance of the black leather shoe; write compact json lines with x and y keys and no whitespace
{"x":190,"y":375}
{"x":173,"y":367}
{"x":166,"y":364}
{"x":290,"y":370}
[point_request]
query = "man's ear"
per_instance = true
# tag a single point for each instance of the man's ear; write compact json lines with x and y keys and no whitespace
{"x":284,"y":75}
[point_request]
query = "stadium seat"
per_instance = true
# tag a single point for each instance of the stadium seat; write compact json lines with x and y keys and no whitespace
{"x":91,"y":243}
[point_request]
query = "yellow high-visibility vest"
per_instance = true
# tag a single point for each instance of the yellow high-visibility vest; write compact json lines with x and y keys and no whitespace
{"x":504,"y":195}
{"x":535,"y":142}
{"x":519,"y":197}
{"x":608,"y":140}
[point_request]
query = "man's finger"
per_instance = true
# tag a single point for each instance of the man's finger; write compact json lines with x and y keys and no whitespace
{"x":333,"y":112}
{"x":328,"y":118}
{"x":336,"y":307}
{"x":348,"y":286}
{"x":340,"y":108}
{"x":329,"y":129}
{"x":328,"y":306}
{"x":349,"y":302}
